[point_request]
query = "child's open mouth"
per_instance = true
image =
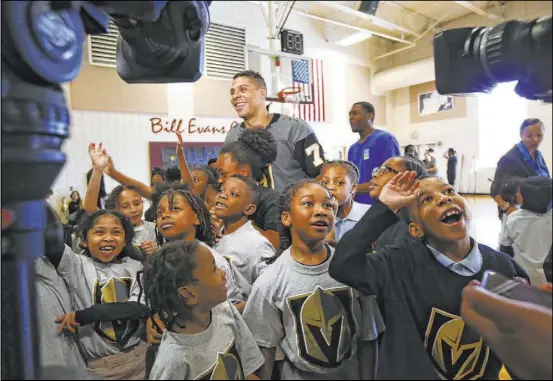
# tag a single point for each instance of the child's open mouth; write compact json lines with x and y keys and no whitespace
{"x":167,"y":225}
{"x":320,"y":224}
{"x":452,"y":217}
{"x":220,"y":205}
{"x":107,"y":249}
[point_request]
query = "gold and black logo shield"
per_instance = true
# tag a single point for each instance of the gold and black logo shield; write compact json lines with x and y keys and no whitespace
{"x":115,"y":290}
{"x":228,"y":366}
{"x":325,"y":326}
{"x":456,"y":351}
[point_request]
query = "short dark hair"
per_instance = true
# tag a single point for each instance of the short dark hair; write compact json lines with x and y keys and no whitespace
{"x":173,"y":174}
{"x":509,"y":188}
{"x":253,"y":75}
{"x":530,"y":122}
{"x":430,"y":150}
{"x":211,"y":161}
{"x":252,"y":186}
{"x":353,"y":171}
{"x":536,"y":194}
{"x":368,"y":107}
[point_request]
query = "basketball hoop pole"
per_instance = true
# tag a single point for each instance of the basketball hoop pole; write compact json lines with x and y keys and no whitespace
{"x":275,"y":61}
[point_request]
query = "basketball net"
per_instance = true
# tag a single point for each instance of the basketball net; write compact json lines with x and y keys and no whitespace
{"x":291,"y":95}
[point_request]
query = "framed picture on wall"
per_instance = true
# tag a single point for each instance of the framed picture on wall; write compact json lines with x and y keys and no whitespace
{"x":163,"y":154}
{"x":433,"y":103}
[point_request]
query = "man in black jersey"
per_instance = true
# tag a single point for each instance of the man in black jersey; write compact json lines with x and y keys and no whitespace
{"x":299,"y":154}
{"x":420,"y":282}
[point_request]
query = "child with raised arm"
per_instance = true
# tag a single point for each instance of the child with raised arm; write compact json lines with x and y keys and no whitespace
{"x":123,"y":198}
{"x":108,"y":317}
{"x":421,"y":280}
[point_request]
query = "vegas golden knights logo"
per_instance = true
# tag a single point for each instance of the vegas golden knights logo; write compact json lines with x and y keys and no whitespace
{"x":227,"y":367}
{"x":455,"y":350}
{"x":325,"y":326}
{"x":113,"y":291}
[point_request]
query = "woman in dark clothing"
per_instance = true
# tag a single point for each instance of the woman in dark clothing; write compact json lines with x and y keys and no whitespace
{"x":523,"y":160}
{"x":75,"y":207}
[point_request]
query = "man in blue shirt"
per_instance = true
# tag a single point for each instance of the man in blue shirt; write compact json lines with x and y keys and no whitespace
{"x":372,"y":150}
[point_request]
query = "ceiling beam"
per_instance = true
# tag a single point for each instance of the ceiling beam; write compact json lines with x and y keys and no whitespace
{"x":479,"y":11}
{"x":377,"y":21}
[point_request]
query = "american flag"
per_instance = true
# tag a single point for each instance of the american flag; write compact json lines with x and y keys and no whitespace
{"x":302,"y":73}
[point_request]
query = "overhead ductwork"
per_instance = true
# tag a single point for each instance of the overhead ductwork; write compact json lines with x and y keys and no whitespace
{"x":403,"y":76}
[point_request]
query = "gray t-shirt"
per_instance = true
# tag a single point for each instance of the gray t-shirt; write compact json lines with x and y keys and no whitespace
{"x":53,"y":301}
{"x":234,"y":292}
{"x":91,"y":282}
{"x":246,"y":248}
{"x":299,"y":154}
{"x":146,"y":232}
{"x":226,"y":350}
{"x":316,"y":320}
{"x":530,"y":235}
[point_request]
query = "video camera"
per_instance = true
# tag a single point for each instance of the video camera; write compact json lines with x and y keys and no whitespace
{"x":474,"y":60}
{"x":42,"y":47}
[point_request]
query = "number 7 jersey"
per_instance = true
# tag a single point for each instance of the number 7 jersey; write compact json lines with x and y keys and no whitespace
{"x":299,"y":154}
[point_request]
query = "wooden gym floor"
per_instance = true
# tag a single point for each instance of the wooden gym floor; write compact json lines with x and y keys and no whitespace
{"x":485,"y":226}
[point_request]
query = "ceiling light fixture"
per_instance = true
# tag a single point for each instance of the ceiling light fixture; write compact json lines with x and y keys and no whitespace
{"x":354,"y":38}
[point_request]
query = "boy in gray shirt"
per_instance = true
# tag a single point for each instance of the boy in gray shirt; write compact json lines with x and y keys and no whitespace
{"x":241,"y":242}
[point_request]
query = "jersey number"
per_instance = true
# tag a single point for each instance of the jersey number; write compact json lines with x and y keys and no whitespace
{"x":315,"y":151}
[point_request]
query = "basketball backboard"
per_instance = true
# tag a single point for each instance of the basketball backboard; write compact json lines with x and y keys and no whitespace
{"x":283,"y":71}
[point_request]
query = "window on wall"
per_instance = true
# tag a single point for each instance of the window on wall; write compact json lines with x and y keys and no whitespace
{"x":499,"y":116}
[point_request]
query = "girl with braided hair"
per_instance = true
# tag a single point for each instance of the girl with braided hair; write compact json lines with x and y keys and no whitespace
{"x":183,"y":284}
{"x":183,"y":217}
{"x":295,"y":292}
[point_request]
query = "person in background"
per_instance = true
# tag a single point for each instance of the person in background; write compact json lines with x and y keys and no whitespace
{"x":410,"y":150}
{"x":373,"y":148}
{"x":212,"y":163}
{"x":520,"y":333}
{"x":156,"y":178}
{"x":528,"y":230}
{"x":341,"y":179}
{"x":523,"y":160}
{"x":430,"y":162}
{"x":173,"y":174}
{"x":299,"y":154}
{"x":508,"y":194}
{"x":451,"y":157}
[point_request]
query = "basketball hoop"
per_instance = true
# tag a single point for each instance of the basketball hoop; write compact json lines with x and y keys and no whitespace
{"x":291,"y":95}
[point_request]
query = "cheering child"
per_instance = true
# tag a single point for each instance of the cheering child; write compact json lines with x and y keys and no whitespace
{"x":206,"y":337}
{"x":123,"y":198}
{"x":341,"y":178}
{"x":108,"y":316}
{"x":421,"y":280}
{"x":241,"y":242}
{"x":296,"y":305}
